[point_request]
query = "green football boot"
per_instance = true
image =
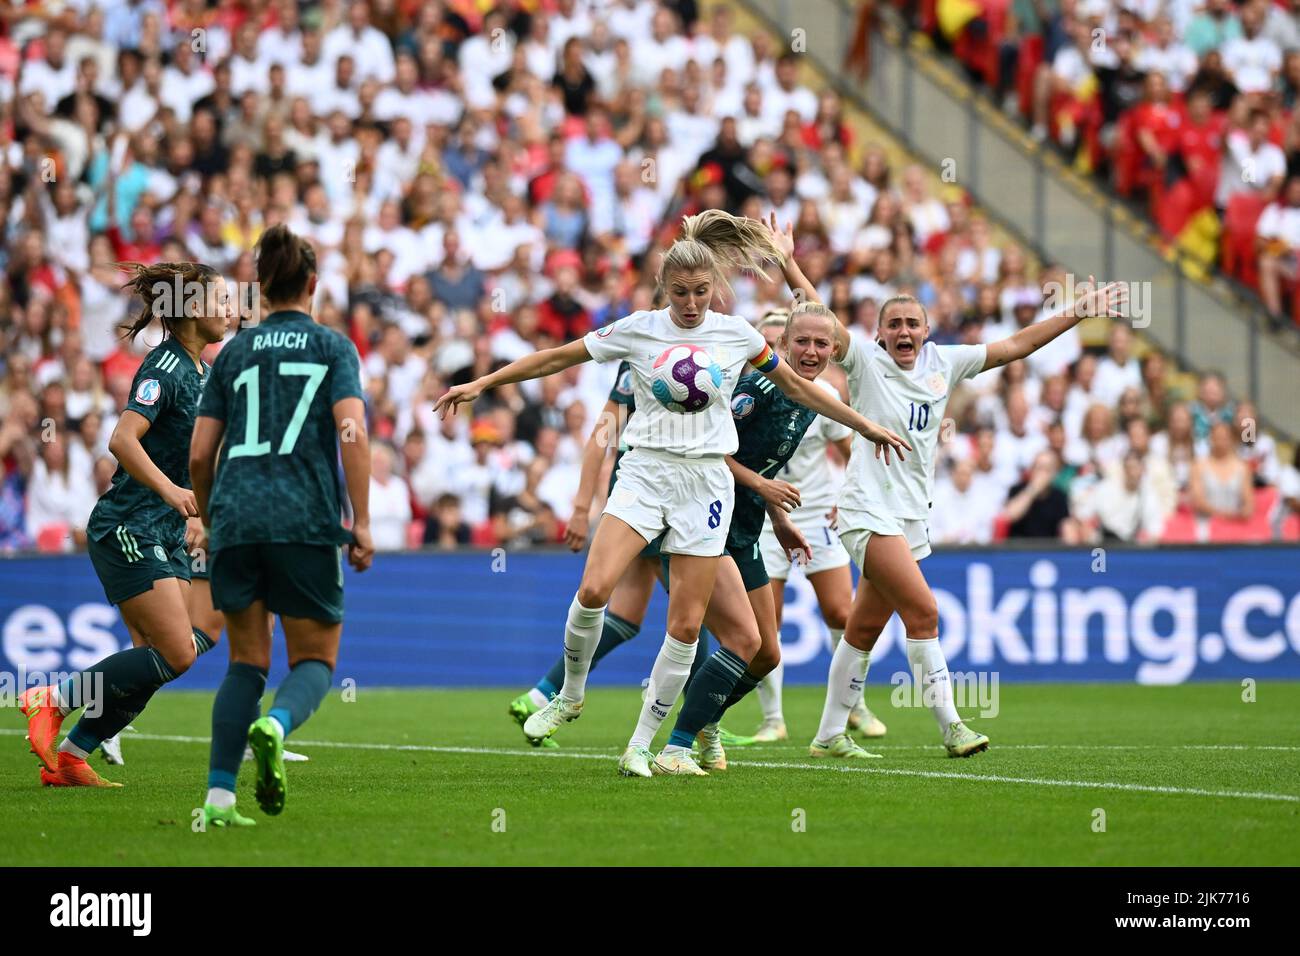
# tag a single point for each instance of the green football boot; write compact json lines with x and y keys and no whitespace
{"x":268,"y":758}
{"x":521,"y":708}
{"x":225,"y":817}
{"x":728,"y":739}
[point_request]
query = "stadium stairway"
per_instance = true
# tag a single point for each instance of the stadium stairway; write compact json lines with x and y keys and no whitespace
{"x":901,"y":96}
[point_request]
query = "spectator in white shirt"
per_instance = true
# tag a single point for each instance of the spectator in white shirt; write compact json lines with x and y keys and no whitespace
{"x":1118,"y":369}
{"x":1018,"y":443}
{"x":1123,"y":504}
{"x":629,"y":224}
{"x":283,"y":44}
{"x":1288,"y":495}
{"x":926,"y":213}
{"x":372,"y":50}
{"x":664,"y":49}
{"x":1097,"y":446}
{"x":1277,"y":236}
{"x":842,"y":214}
{"x":390,"y":501}
{"x":1168,"y":56}
{"x":990,"y":479}
{"x":1252,"y":59}
{"x":1251,"y":164}
{"x":1258,"y":449}
{"x":786,"y":94}
{"x":593,"y":158}
{"x":54,"y":75}
{"x":247,"y":69}
{"x":485,"y":56}
{"x":962,"y":514}
{"x":59,"y":497}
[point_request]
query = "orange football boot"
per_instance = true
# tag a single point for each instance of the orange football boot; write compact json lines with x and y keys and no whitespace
{"x":74,"y":772}
{"x":44,"y":721}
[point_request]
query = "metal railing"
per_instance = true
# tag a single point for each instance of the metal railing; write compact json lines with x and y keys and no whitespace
{"x":1064,"y":218}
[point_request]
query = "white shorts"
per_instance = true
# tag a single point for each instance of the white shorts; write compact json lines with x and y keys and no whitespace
{"x":691,"y":499}
{"x":857,"y":527}
{"x":827,"y":551}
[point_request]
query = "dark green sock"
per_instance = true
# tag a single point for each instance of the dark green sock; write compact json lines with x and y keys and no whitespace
{"x":616,"y":632}
{"x":708,"y":692}
{"x":301,"y":693}
{"x":110,"y":719}
{"x":116,"y":676}
{"x":114,"y":692}
{"x":701,"y":655}
{"x":237,"y":705}
{"x":743,"y":686}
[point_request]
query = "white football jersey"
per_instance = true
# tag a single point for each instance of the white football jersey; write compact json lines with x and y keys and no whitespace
{"x":642,"y":337}
{"x":808,"y":469}
{"x":910,"y":403}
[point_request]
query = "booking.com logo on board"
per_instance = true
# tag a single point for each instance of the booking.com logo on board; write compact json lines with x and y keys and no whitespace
{"x":1153,"y":617}
{"x":1040,"y":618}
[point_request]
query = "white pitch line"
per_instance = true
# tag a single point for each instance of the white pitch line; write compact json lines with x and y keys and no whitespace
{"x":823,"y":767}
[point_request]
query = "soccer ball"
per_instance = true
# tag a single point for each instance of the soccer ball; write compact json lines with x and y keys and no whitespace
{"x":685,"y":378}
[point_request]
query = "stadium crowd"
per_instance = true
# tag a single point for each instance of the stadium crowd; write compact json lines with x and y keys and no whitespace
{"x":480,"y":185}
{"x":1187,"y":105}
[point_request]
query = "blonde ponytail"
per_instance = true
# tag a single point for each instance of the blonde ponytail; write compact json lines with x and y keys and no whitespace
{"x":717,"y":242}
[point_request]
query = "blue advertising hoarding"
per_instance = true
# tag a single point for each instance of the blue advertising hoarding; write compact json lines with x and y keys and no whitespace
{"x":495,"y":619}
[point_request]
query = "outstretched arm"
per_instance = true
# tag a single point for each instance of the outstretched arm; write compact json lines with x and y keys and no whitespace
{"x":1109,"y":300}
{"x":538,"y":365}
{"x":800,"y":285}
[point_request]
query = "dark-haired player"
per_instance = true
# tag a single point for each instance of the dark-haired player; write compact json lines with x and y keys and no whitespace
{"x":142,"y":529}
{"x":286,"y":398}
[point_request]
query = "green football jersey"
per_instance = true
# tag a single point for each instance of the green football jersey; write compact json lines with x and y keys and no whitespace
{"x":770,"y":427}
{"x":166,"y":391}
{"x":275,"y":387}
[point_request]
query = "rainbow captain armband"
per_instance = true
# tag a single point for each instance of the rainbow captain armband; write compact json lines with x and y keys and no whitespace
{"x":766,"y":360}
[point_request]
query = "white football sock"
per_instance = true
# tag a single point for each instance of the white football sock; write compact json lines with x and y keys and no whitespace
{"x":277,"y":726}
{"x":769,"y":694}
{"x":68,"y":747}
{"x":538,"y":698}
{"x":221,"y":798}
{"x":843,"y":689}
{"x":581,"y":635}
{"x":667,"y":678}
{"x":930,"y":670}
{"x":837,"y":635}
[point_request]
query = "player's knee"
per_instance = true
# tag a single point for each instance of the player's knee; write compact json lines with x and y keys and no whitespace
{"x":593,"y":594}
{"x":922,"y":619}
{"x":836,"y":616}
{"x":179,"y":657}
{"x":862,"y":636}
{"x":683,"y":630}
{"x":765,"y":660}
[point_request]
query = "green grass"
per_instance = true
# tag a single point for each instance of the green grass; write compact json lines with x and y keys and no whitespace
{"x":352,"y":805}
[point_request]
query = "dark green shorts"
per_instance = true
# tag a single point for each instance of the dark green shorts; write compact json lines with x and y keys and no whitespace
{"x":296,"y":580}
{"x":752,"y":569}
{"x":128,"y":566}
{"x":753,"y":572}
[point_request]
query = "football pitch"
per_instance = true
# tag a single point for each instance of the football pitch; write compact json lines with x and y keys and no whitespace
{"x":1078,"y":775}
